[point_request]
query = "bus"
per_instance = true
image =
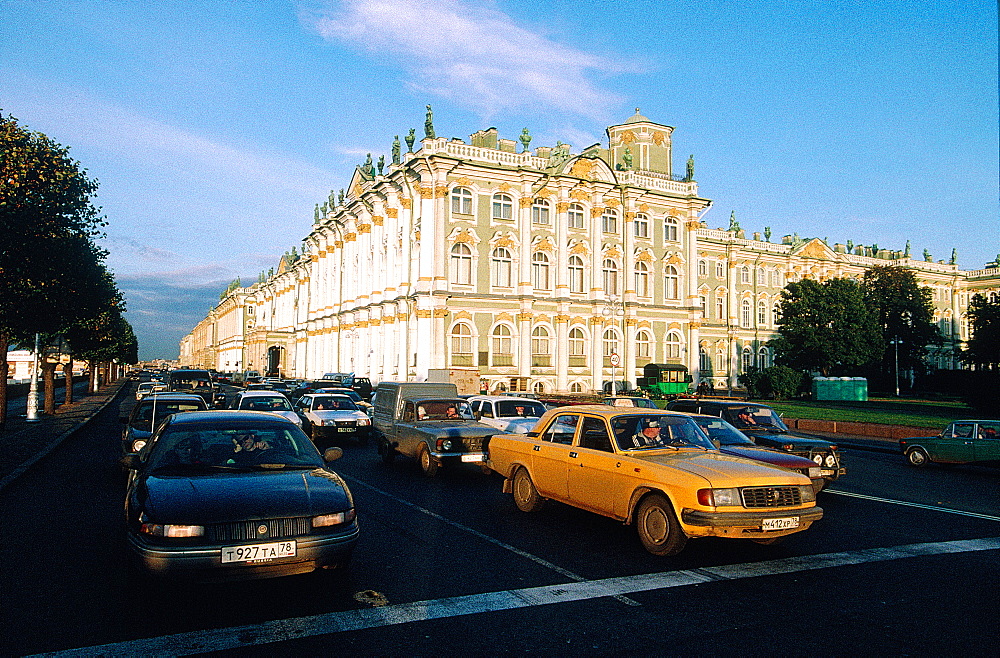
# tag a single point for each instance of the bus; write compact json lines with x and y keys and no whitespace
{"x":665,"y":379}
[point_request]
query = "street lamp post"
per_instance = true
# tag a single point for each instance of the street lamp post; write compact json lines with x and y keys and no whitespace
{"x":895,"y":342}
{"x":615,"y":307}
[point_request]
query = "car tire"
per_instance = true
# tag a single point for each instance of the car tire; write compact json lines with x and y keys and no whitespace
{"x":525,"y":494}
{"x":428,"y":464}
{"x":658,"y":528}
{"x":917,"y":457}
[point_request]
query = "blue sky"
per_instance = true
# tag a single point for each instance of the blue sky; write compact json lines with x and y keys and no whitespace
{"x":214,"y":127}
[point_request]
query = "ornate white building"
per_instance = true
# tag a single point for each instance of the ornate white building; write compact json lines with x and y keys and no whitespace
{"x":544,"y":271}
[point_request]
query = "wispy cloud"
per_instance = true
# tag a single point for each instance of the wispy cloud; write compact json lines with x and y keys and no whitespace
{"x":472,"y":55}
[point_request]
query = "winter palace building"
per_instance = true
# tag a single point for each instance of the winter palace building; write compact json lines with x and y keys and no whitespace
{"x":544,"y":270}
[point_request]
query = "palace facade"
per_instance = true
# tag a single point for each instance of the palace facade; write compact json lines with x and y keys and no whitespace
{"x":542,"y":271}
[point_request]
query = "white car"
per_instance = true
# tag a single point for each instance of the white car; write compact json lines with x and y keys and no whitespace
{"x":269,"y":401}
{"x":145,"y":388}
{"x":328,"y":417}
{"x":510,"y":414}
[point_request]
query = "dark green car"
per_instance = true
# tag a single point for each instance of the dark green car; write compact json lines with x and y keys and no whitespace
{"x":962,"y":442}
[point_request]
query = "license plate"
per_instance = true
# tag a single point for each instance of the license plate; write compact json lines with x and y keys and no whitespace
{"x":258,"y":552}
{"x":780,"y":524}
{"x":472,"y":458}
{"x":345,"y":429}
{"x":826,"y":471}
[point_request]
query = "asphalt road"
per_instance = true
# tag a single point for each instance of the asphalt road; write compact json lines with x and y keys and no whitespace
{"x":903,"y":563}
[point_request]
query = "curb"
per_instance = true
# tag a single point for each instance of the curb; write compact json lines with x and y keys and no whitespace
{"x":20,"y":470}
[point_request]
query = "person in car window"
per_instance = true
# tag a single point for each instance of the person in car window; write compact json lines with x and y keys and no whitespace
{"x":746,"y":417}
{"x":452,"y":412}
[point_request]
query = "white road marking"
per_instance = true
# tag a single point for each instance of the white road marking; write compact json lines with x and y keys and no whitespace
{"x":935,"y":508}
{"x":282,"y":630}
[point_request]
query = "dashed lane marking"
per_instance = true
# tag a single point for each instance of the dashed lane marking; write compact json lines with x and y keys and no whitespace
{"x":404,"y":613}
{"x":935,"y":508}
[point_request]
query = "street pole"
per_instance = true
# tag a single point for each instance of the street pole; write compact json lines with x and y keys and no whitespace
{"x":895,"y":345}
{"x":32,"y":412}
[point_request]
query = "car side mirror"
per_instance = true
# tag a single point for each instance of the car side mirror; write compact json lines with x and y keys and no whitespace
{"x":717,"y":443}
{"x":332,"y":454}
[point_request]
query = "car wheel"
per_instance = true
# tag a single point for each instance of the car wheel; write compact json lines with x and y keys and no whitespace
{"x":525,"y":494}
{"x":657,"y":525}
{"x":917,"y":457}
{"x":427,"y":462}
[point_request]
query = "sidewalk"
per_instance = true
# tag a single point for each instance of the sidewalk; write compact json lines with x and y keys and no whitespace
{"x":22,"y":444}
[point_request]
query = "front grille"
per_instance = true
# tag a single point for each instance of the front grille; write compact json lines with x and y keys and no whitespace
{"x":771,"y":496}
{"x":248,"y":530}
{"x":473,"y":445}
{"x":347,"y":423}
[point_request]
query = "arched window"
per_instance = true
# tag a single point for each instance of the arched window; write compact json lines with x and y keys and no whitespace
{"x":540,"y":212}
{"x":672,"y":345}
{"x":575,"y":215}
{"x":720,"y":270}
{"x":461,"y":201}
{"x":747,"y":359}
{"x":502,"y":206}
{"x":641,"y":225}
{"x":762,"y":313}
{"x":461,"y":345}
{"x":704,"y":361}
{"x":720,"y":306}
{"x":722,"y":360}
{"x":538,"y":387}
{"x":610,"y":345}
{"x":501,"y":261}
{"x":746,"y":315}
{"x":702,"y":267}
{"x":671,"y":287}
{"x":576,"y":387}
{"x":642,"y":288}
{"x":670,"y":232}
{"x":575,"y":274}
{"x":501,"y":346}
{"x":610,"y":269}
{"x":761,"y":276}
{"x":541,"y":354}
{"x":643,"y":345}
{"x":540,"y":271}
{"x":577,"y":348}
{"x":763,"y":357}
{"x":776,"y":314}
{"x":461,"y":264}
{"x":609,"y":221}
{"x":744,"y":274}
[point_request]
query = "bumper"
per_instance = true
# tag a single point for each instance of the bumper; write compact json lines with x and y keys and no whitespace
{"x":204,"y":563}
{"x":748,"y":525}
{"x":477,"y":457}
{"x":330,"y":432}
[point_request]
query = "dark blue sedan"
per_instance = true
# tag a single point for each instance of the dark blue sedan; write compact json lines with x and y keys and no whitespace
{"x":232,"y":495}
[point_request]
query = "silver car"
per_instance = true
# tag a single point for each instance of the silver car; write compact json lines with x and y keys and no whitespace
{"x":510,"y":414}
{"x":269,"y":401}
{"x":328,"y":417}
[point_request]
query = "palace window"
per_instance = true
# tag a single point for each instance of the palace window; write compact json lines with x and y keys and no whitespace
{"x":461,"y":345}
{"x":642,"y":288}
{"x":610,"y":269}
{"x":575,"y":274}
{"x":609,"y":221}
{"x":744,"y":274}
{"x":541,"y":354}
{"x":501,"y":346}
{"x":762,"y":313}
{"x":671,"y":287}
{"x":461,"y":201}
{"x":641,"y":226}
{"x":540,"y":212}
{"x":461,"y":264}
{"x":501,"y":264}
{"x":575,"y":215}
{"x":702,"y":267}
{"x":672,"y":345}
{"x":746,"y":315}
{"x":502,"y":206}
{"x":670,"y":231}
{"x":540,"y":271}
{"x":720,"y":270}
{"x":643,"y":345}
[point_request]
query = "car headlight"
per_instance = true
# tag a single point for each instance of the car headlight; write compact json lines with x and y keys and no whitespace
{"x":364,"y":422}
{"x":138,"y":445}
{"x":327,"y":520}
{"x":818,"y":459}
{"x":444,"y":444}
{"x":807,"y":494}
{"x":327,"y":421}
{"x":161,"y":530}
{"x":719,"y":497}
{"x":831,"y":461}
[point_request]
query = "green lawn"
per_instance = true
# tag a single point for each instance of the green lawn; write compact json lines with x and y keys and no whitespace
{"x":889,"y":411}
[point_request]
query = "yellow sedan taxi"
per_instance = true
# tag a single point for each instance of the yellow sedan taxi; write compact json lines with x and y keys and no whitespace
{"x":654,"y":469}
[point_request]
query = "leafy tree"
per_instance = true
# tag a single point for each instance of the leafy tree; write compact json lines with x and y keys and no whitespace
{"x":904,"y":312}
{"x":983,"y":349}
{"x":825,"y":327}
{"x":48,"y":224}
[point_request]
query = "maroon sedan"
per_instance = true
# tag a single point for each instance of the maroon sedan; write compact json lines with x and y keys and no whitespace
{"x":731,"y":441}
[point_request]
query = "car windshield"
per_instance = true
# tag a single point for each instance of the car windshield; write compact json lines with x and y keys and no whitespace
{"x":754,"y":417}
{"x":519,"y":409}
{"x":270,"y":403}
{"x":333,"y":403}
{"x":649,"y":431}
{"x":721,"y":431}
{"x":444,"y":410}
{"x":144,"y":414}
{"x":231,"y":446}
{"x":189,"y":383}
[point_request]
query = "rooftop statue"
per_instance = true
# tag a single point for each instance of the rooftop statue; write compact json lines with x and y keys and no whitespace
{"x":689,"y":174}
{"x":735,"y":225}
{"x":410,"y":138}
{"x":429,"y":124}
{"x":395,"y":150}
{"x":381,"y":164}
{"x":525,"y":139}
{"x":627,"y":158}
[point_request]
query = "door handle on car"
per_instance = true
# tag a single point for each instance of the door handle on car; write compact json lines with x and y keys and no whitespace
{"x":572,"y":455}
